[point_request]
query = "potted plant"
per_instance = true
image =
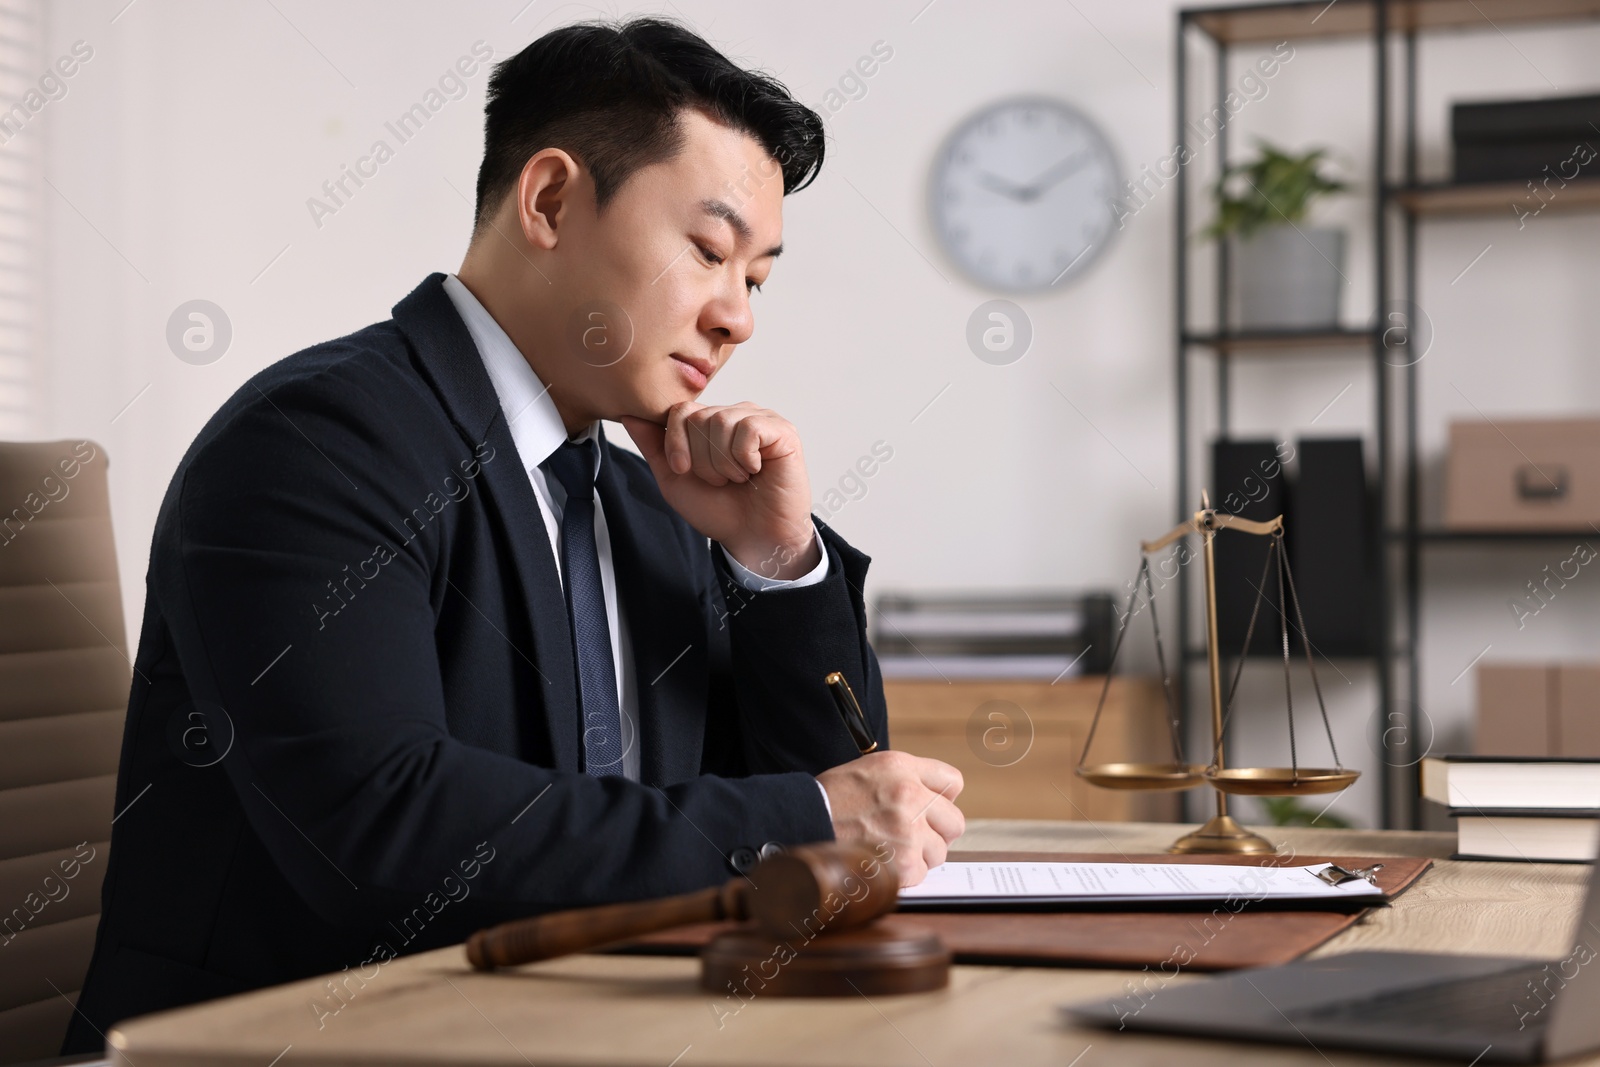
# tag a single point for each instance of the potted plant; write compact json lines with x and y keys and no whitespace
{"x":1289,"y":274}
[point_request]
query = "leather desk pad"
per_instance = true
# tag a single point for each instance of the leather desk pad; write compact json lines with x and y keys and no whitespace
{"x":1216,"y":939}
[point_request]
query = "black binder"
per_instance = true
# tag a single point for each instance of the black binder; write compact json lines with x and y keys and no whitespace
{"x":1332,"y":547}
{"x":1247,"y":479}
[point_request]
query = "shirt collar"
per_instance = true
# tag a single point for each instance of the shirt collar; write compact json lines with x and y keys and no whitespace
{"x":531,"y":415}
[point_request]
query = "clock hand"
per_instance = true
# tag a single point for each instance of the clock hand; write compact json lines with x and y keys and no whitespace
{"x":1001,"y":186}
{"x":1034,"y":189}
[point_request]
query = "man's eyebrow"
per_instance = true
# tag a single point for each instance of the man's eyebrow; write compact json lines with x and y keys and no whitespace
{"x":720,"y":209}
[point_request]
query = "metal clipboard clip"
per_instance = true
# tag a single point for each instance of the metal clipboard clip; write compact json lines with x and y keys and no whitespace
{"x":1334,"y":874}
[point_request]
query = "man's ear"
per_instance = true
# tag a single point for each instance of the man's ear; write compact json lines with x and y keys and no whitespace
{"x":544,"y":191}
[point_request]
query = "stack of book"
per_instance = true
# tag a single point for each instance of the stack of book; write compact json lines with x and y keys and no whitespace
{"x":1543,"y":142}
{"x":1043,"y":637}
{"x":1537,"y":809}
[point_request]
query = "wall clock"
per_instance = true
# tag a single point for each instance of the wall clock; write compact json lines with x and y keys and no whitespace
{"x":1022,"y":194}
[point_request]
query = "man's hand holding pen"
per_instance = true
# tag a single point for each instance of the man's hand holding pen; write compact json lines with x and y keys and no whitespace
{"x":903,"y":800}
{"x":907,"y":802}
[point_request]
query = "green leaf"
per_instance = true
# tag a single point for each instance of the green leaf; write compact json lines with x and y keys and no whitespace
{"x":1273,"y":188}
{"x":1288,"y":811}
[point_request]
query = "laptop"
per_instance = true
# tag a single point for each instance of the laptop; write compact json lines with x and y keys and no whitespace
{"x":1481,"y":1009}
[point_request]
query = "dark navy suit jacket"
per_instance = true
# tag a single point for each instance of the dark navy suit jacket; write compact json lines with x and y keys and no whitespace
{"x":353,"y":729}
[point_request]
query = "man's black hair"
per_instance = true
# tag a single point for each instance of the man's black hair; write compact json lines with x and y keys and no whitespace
{"x":611,"y":93}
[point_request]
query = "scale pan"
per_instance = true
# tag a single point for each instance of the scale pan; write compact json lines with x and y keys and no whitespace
{"x":1281,"y":781}
{"x":1144,"y":775}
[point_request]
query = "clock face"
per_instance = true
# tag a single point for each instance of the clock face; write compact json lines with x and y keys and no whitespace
{"x":1023,"y":192}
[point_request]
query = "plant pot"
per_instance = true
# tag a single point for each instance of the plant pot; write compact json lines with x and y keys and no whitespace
{"x":1290,"y":278}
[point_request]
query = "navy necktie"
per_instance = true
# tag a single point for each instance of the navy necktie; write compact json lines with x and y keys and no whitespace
{"x":601,"y":718}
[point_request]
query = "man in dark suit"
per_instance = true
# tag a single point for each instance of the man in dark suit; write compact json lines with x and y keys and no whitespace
{"x":423,"y":652}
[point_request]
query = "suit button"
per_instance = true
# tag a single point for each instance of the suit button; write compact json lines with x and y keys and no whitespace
{"x":742,"y":859}
{"x":771,"y":848}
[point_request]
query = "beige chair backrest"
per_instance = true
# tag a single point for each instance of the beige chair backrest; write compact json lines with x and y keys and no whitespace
{"x":64,"y":674}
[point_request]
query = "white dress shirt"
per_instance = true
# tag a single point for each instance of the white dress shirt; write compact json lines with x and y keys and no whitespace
{"x":537,"y":431}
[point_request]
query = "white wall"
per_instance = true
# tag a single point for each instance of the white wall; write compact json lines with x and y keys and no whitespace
{"x":186,"y":148}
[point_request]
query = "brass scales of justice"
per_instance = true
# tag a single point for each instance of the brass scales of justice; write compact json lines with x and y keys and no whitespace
{"x":1221,"y":833}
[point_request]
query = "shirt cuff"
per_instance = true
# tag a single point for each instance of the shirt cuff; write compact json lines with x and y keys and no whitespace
{"x":760,"y":583}
{"x":826,"y":802}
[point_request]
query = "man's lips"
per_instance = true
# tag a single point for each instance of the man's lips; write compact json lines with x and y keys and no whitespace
{"x":696,"y":370}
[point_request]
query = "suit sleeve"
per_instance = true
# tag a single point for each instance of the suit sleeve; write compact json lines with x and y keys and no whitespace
{"x":783,"y":643}
{"x":342,"y":758}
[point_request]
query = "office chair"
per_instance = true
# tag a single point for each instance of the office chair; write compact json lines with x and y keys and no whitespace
{"x":64,"y":676}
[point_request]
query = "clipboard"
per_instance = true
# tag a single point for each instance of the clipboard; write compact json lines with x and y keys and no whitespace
{"x":1204,"y":941}
{"x":1107,"y":883}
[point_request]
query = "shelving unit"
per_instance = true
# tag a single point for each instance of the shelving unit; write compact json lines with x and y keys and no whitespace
{"x":1401,"y":203}
{"x":1477,"y":198}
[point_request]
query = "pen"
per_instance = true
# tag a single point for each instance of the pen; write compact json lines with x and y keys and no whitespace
{"x":850,"y":711}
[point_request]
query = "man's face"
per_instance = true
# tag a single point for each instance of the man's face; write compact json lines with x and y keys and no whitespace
{"x":656,"y":289}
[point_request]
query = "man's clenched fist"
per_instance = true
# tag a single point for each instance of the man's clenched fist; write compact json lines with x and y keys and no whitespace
{"x":737,"y":475}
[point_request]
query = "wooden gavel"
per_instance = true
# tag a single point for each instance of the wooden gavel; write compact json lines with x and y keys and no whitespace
{"x":802,"y":892}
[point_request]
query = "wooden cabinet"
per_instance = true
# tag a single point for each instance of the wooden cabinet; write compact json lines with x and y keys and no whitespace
{"x":1016,"y":743}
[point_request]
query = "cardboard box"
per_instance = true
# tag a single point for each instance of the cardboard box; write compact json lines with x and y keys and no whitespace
{"x":1508,"y":474}
{"x":1516,"y":710}
{"x":1538,"y":709}
{"x":1578,"y":709}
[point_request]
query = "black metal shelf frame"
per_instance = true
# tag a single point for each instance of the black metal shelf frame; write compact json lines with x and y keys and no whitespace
{"x":1396,"y":462}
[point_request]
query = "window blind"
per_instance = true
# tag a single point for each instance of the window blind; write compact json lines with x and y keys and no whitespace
{"x":21,"y":160}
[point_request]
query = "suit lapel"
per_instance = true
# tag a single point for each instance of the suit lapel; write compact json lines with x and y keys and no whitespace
{"x":661,"y":604}
{"x":451,"y":362}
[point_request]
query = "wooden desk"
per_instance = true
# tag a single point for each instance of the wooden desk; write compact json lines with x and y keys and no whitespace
{"x":599,"y":1009}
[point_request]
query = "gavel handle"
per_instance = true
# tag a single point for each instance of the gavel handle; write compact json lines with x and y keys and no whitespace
{"x":559,"y":933}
